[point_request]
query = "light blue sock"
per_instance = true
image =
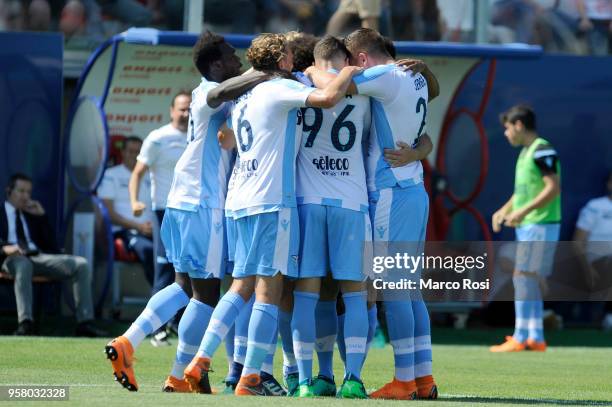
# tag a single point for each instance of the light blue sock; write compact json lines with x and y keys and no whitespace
{"x":229,"y":349}
{"x":422,"y":340}
{"x":242,"y":331}
{"x":190,"y":332}
{"x":229,"y":345}
{"x":262,"y":327}
{"x":303,"y":330}
{"x":327,"y":331}
{"x":400,"y":323}
{"x":535,"y":308}
{"x":221,"y":321}
{"x":523,"y":297}
{"x":521,"y":321}
{"x":284,"y":328}
{"x":160,"y":308}
{"x":372,"y":325}
{"x":536,"y":322}
{"x":340,"y":340}
{"x":268,"y":364}
{"x":355,"y":331}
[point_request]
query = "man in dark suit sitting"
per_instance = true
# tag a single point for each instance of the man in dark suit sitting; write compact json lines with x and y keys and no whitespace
{"x":28,"y":248}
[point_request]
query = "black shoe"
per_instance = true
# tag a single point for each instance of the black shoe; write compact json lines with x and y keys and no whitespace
{"x":272,"y":385}
{"x":87,"y":329}
{"x":25,"y":328}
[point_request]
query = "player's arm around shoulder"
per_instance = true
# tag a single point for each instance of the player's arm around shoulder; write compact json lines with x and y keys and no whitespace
{"x":417,"y":66}
{"x":334,"y":90}
{"x":320,"y":79}
{"x":233,"y":88}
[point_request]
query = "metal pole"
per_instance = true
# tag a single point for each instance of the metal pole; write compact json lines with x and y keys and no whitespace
{"x":193,"y":16}
{"x":481,"y":20}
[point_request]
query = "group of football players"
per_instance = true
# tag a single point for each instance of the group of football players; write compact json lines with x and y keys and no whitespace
{"x":292,"y":170}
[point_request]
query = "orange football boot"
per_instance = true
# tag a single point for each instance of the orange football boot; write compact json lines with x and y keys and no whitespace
{"x":196,"y":374}
{"x":250,"y":386}
{"x":174,"y":385}
{"x":427,"y":388}
{"x":121,"y":354}
{"x":396,"y":390}
{"x":511,"y":345}
{"x":536,"y":346}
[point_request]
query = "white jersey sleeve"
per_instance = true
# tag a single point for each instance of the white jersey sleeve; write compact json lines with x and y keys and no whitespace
{"x":149,"y":152}
{"x":289,"y":94}
{"x":375,"y":83}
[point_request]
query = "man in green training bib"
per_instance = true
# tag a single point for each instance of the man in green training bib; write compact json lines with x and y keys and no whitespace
{"x":534,"y":209}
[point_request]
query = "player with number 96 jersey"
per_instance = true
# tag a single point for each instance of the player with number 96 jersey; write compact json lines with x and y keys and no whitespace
{"x":331,"y":162}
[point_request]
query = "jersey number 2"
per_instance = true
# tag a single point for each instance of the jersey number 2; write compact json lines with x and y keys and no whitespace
{"x":421,"y":103}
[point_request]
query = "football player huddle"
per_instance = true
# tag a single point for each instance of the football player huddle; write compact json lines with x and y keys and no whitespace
{"x":293,"y":170}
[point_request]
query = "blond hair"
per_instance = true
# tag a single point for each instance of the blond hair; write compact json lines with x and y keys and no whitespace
{"x":266,"y":51}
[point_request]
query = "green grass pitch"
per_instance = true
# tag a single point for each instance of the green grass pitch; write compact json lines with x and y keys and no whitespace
{"x":571,"y":373}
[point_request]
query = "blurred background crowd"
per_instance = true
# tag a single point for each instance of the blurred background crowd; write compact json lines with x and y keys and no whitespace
{"x":568,"y":26}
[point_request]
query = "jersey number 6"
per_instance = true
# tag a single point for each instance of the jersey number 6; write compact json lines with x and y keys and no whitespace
{"x":244,"y":125}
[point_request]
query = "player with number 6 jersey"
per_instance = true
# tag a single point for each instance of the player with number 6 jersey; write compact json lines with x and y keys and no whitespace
{"x":264,"y":122}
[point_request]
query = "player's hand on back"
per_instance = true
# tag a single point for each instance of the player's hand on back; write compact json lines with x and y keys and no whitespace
{"x":227,"y":140}
{"x":402,"y":156}
{"x":414,"y":65}
{"x":309,"y":71}
{"x":354,"y":70}
{"x":138,"y":208}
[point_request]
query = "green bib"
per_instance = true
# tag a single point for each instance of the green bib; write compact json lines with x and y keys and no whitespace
{"x":528,"y":184}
